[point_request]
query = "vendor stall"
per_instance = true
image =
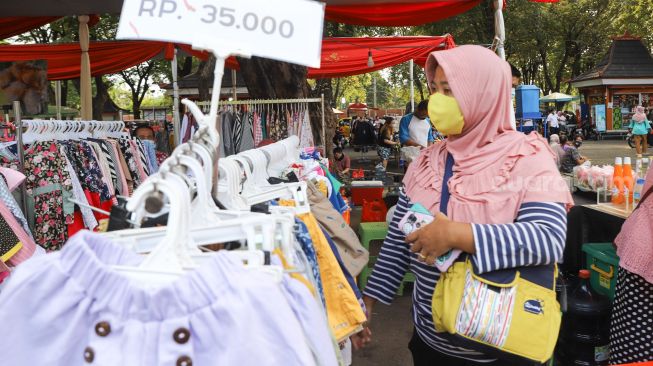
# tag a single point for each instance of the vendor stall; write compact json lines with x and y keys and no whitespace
{"x":621,"y":81}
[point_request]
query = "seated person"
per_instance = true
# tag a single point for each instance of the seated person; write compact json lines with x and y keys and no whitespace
{"x":341,"y":165}
{"x":572,"y":157}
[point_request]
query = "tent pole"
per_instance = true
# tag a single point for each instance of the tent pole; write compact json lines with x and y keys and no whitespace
{"x":175,"y":98}
{"x":57,"y":97}
{"x":323,"y":125}
{"x":234,"y":85}
{"x":412,"y":87}
{"x":499,"y":28}
{"x":85,"y":91}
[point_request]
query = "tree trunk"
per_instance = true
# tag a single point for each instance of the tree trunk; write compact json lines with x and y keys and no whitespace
{"x":268,"y":79}
{"x":205,"y":72}
{"x":137,"y":106}
{"x":100,"y":98}
{"x":64,"y":92}
{"x":418,"y":83}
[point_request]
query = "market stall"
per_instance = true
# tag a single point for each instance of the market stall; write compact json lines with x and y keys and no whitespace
{"x":620,"y":82}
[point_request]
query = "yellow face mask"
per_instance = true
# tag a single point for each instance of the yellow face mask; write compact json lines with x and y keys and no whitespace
{"x":446,"y":115}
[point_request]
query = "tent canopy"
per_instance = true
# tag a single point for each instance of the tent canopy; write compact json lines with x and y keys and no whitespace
{"x":557,"y":97}
{"x":340,"y":56}
{"x":360,"y":12}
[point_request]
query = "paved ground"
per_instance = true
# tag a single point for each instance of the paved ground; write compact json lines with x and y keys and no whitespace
{"x":392,"y":325}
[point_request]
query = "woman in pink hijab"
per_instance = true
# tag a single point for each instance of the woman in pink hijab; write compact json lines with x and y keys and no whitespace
{"x":496,"y":195}
{"x":640,"y":127}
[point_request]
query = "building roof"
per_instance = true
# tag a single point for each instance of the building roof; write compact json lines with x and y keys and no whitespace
{"x":627,"y":58}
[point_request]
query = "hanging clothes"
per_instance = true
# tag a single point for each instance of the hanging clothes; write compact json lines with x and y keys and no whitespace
{"x":258,"y":128}
{"x":306,"y":131}
{"x":247,"y":141}
{"x":188,"y":127}
{"x":227,"y":121}
{"x":238,"y":130}
{"x":101,"y":316}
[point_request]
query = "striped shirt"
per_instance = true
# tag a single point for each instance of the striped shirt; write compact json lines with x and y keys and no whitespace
{"x":536,"y":237}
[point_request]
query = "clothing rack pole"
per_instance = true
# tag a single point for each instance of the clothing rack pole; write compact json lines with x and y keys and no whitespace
{"x":21,"y":152}
{"x":323,"y":127}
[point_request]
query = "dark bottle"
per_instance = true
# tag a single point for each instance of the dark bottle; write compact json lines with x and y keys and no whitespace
{"x":585,"y":331}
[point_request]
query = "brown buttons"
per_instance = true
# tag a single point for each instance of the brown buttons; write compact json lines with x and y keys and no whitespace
{"x":181,"y":335}
{"x":89,"y":355}
{"x":184,"y":361}
{"x":103,"y":329}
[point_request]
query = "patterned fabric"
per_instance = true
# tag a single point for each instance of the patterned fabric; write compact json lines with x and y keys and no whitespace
{"x":306,"y":131}
{"x":258,"y":129}
{"x":238,"y":131}
{"x":125,"y":148}
{"x":8,"y":199}
{"x":383,"y":152}
{"x":631,"y":339}
{"x":9,"y":243}
{"x":304,"y":239}
{"x":104,"y":146}
{"x":83,"y":158}
{"x":141,"y":154}
{"x":150,"y":154}
{"x":48,"y":184}
{"x":78,"y":192}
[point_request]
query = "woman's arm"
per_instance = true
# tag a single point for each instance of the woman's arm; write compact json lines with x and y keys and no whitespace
{"x":392,"y":262}
{"x":537,"y":237}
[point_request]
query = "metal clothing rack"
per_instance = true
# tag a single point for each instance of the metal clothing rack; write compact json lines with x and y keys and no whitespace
{"x":276,"y":101}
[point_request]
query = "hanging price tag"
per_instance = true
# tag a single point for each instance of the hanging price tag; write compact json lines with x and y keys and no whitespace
{"x":285,"y":30}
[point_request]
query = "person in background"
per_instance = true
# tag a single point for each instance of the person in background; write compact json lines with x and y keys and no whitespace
{"x":341,"y":164}
{"x":571,"y":157}
{"x":640,"y":127}
{"x":487,"y":221}
{"x":516,"y":79}
{"x":562,"y":121}
{"x":415,"y":128}
{"x":632,"y":314}
{"x":552,"y":122}
{"x":146,"y":132}
{"x":386,"y":142}
{"x":557,"y":148}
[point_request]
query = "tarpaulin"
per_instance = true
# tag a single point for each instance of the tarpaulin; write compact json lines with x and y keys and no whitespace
{"x":349,"y":56}
{"x":397,"y":14}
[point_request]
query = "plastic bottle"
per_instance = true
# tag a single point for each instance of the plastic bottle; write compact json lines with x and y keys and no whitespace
{"x":645,"y":167}
{"x":618,"y":182}
{"x":585,"y":332}
{"x":629,"y":182}
{"x":638,"y":169}
{"x":637,"y":191}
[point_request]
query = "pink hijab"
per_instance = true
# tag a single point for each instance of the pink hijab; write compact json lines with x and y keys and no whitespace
{"x":497,"y":169}
{"x":639,"y":115}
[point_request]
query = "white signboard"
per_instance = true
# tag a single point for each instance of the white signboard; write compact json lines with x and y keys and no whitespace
{"x":285,"y":30}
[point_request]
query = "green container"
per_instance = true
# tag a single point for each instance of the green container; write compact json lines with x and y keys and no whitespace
{"x":603,"y":264}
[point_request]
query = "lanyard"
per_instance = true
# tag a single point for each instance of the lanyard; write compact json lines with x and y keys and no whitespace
{"x":448,"y":172}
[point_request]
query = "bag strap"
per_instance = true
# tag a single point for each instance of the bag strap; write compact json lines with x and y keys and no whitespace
{"x":448,"y":173}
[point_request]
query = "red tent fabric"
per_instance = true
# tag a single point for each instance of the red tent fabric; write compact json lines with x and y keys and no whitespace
{"x":106,"y":57}
{"x":13,"y":26}
{"x":348,"y":56}
{"x":340,"y":56}
{"x":398,"y":13}
{"x":401,"y":13}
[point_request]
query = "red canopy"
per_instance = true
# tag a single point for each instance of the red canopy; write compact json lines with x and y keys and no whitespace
{"x":348,"y":56}
{"x":13,"y":26}
{"x":398,"y":13}
{"x":106,"y":57}
{"x":340,"y":56}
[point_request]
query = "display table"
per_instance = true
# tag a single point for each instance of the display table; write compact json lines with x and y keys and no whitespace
{"x":590,"y":224}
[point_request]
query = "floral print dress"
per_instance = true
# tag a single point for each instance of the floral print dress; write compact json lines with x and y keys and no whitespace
{"x":48,"y":185}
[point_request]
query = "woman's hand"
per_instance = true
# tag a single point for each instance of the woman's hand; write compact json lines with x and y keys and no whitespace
{"x":364,"y":337}
{"x":439,"y":237}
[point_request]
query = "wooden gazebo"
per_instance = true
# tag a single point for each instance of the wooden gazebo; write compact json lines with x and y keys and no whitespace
{"x":620,"y":82}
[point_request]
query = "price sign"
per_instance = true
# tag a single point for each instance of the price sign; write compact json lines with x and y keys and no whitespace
{"x":285,"y":30}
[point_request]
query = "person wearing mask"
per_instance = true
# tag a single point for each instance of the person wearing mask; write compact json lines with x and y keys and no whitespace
{"x":386,"y":142}
{"x":341,"y":164}
{"x":552,"y":122}
{"x":474,"y":175}
{"x":415,"y":128}
{"x":146,"y":133}
{"x":557,"y":148}
{"x":571,"y":157}
{"x":632,"y":315}
{"x":640,"y":127}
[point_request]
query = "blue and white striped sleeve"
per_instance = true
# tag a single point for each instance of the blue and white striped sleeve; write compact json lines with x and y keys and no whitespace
{"x":537,"y":237}
{"x":393,"y":261}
